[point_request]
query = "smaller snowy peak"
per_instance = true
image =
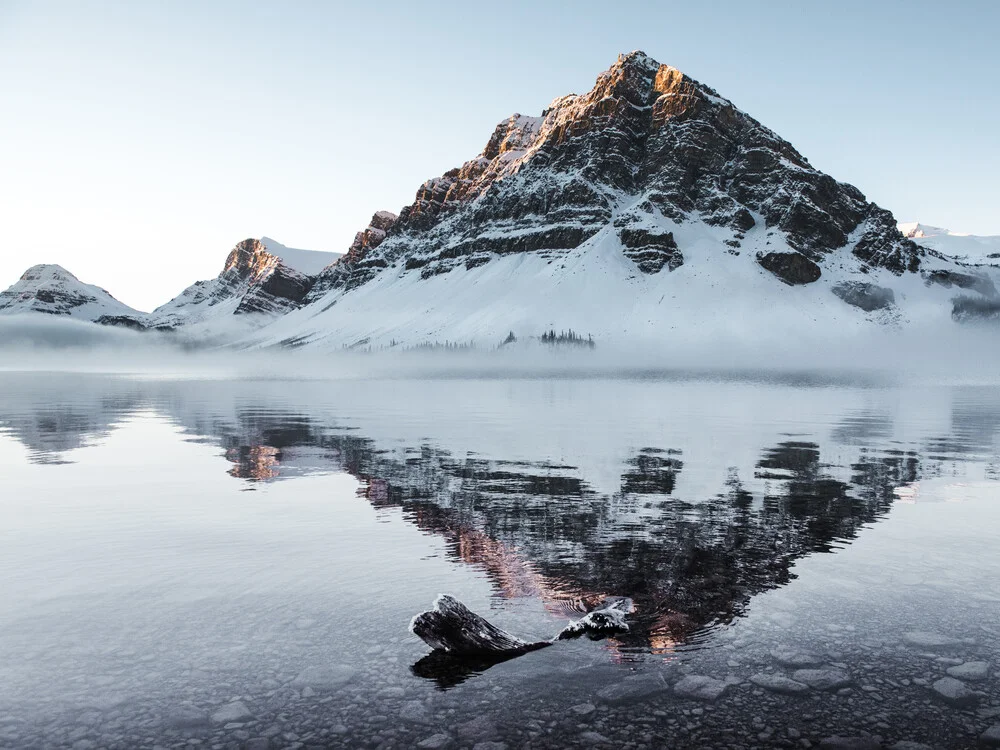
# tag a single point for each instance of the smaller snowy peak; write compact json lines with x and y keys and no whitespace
{"x":51,"y":289}
{"x":966,"y":248}
{"x":47,"y":272}
{"x":915,"y":230}
{"x":309,"y":262}
{"x":259,"y":277}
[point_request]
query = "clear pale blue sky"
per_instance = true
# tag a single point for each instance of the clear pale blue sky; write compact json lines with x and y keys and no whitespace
{"x":139,"y":141}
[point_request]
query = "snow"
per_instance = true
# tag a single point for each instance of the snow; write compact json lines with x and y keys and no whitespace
{"x":967,"y":248}
{"x":50,"y":288}
{"x":715,"y":300}
{"x":309,"y":262}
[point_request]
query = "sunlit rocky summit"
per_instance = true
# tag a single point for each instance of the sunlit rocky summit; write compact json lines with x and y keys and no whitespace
{"x":648,"y":207}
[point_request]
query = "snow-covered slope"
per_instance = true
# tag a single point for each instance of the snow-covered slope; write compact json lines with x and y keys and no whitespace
{"x":261,"y":279}
{"x":309,"y":262}
{"x":969,"y":248}
{"x":648,"y":208}
{"x":53,"y":290}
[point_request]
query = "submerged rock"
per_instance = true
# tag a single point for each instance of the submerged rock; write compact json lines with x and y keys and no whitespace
{"x":435,"y":741}
{"x":970,"y":670}
{"x":777,"y":683}
{"x":927,"y":639}
{"x":324,"y":677}
{"x":954,"y":692}
{"x":837,"y":742}
{"x":991,"y":737}
{"x":822,"y":679}
{"x":788,"y":656}
{"x":184,"y":717}
{"x":632,"y":689}
{"x":415,"y":711}
{"x":700,"y":687}
{"x":235,"y":711}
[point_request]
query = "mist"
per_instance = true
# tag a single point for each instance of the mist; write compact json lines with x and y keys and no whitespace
{"x":949,"y":353}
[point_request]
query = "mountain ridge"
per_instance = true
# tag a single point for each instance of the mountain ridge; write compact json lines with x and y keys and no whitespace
{"x":645,"y":206}
{"x":648,"y":175}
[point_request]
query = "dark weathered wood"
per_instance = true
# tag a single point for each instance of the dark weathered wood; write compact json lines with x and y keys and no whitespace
{"x":453,"y":628}
{"x":607,"y":619}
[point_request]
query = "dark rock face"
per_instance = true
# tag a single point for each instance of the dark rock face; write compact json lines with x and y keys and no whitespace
{"x":882,"y":245}
{"x":792,"y":268}
{"x":270,"y":285}
{"x":868,"y":297}
{"x":647,"y":139}
{"x":947,"y":279}
{"x":121,"y":321}
{"x":969,"y":309}
{"x":258,"y":279}
{"x":346,"y":268}
{"x":650,"y":251}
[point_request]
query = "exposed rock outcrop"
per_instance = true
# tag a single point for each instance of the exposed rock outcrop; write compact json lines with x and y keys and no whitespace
{"x":546,"y":184}
{"x":792,"y":268}
{"x":253,"y":280}
{"x":650,"y":250}
{"x":948,"y":279}
{"x":868,"y":297}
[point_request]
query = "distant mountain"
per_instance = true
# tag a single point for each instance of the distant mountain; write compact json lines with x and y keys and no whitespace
{"x":259,"y":280}
{"x":52,"y":290}
{"x":969,"y":248}
{"x":649,"y":210}
{"x":646,"y":209}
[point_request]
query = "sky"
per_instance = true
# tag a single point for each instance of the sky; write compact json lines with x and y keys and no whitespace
{"x":140,"y":141}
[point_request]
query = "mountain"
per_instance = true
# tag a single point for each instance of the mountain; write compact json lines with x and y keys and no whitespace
{"x":53,"y":290}
{"x":969,"y":248}
{"x":259,"y":280}
{"x":648,"y":207}
{"x":648,"y":210}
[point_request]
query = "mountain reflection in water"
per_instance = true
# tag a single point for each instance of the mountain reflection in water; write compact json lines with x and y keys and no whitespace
{"x":540,"y":528}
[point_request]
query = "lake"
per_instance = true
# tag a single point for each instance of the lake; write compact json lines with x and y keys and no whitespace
{"x":233,"y":562}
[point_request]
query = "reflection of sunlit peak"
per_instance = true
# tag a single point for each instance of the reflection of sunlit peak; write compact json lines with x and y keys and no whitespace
{"x":668,"y":632}
{"x":907,"y":493}
{"x":254,"y":462}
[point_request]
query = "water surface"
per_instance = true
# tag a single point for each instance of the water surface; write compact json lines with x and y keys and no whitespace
{"x":235,"y":562}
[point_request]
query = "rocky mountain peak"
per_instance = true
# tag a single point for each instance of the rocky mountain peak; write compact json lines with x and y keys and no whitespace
{"x":646,"y":145}
{"x":250,"y":259}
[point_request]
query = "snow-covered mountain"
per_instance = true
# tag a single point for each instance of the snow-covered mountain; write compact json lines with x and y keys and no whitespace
{"x":969,"y":248}
{"x":649,"y":210}
{"x":260,"y":279}
{"x":53,"y":290}
{"x":647,"y":207}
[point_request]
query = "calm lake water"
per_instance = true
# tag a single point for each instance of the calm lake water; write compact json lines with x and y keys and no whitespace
{"x":234,"y":563}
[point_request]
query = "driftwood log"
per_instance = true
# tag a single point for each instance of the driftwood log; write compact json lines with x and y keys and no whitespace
{"x":465,"y":643}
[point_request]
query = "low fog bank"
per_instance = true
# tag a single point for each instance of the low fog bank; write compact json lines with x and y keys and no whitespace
{"x":951,"y":353}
